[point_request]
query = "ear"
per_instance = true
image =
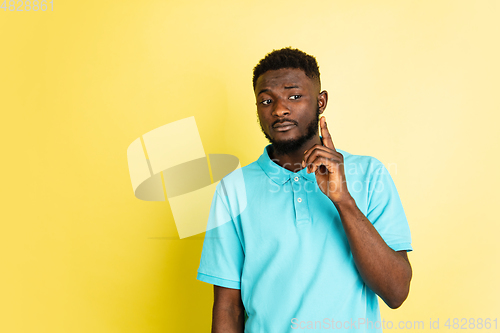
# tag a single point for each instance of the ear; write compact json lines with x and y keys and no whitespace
{"x":322,"y":100}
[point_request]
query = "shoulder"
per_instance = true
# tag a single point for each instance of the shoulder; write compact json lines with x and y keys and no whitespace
{"x":237,"y":178}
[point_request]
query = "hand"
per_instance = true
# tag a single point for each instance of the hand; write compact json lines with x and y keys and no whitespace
{"x":328,"y":165}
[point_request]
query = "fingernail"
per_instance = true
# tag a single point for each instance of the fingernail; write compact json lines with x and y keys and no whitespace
{"x":303,"y":164}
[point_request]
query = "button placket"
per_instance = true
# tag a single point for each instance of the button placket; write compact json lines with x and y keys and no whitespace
{"x":300,"y":200}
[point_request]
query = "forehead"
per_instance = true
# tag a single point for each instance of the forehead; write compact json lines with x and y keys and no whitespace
{"x":281,"y":78}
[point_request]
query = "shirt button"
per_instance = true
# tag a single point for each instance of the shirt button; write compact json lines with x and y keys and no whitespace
{"x":299,"y":199}
{"x":296,"y":179}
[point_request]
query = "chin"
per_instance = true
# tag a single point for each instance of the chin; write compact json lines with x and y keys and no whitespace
{"x":288,"y":146}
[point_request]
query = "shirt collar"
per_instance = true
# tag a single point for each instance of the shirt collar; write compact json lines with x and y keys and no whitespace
{"x":279,"y":174}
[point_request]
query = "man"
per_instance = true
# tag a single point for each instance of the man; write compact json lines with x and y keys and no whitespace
{"x":308,"y":235}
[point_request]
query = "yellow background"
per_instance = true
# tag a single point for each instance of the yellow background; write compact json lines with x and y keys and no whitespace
{"x":414,"y":83}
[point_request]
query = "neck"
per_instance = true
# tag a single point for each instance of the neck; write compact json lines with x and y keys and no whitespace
{"x":293,"y":160}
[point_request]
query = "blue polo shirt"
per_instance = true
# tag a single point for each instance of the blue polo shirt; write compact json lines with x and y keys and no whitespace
{"x":273,"y":234}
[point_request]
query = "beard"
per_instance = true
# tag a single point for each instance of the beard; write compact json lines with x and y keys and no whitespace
{"x":284,"y":147}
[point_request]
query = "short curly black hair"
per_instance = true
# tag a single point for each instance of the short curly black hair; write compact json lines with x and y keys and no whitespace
{"x":287,"y":58}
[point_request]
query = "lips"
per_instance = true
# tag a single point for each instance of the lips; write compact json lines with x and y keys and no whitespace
{"x":284,"y":126}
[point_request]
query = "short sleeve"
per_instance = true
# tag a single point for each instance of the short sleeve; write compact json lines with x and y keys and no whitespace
{"x":385,"y":210}
{"x":222,"y":256}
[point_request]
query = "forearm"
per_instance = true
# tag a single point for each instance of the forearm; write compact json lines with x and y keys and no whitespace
{"x":228,"y":319}
{"x":384,"y":270}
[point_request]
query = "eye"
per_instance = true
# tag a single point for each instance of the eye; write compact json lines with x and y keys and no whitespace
{"x":295,"y":96}
{"x":266,"y":102}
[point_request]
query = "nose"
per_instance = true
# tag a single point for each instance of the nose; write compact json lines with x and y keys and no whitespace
{"x":280,"y":108}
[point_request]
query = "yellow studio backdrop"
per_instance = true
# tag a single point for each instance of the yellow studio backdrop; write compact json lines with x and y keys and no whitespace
{"x":413,"y":83}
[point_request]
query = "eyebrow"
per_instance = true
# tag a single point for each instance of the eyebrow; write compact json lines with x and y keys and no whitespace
{"x":266,"y":90}
{"x":262,"y":91}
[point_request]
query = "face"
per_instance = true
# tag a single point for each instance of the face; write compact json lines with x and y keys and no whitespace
{"x":288,"y":106}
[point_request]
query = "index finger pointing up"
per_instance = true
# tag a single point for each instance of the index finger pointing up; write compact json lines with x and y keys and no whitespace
{"x":327,"y":139}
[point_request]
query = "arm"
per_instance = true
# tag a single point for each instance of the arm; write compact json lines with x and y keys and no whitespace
{"x":385,"y":271}
{"x":228,"y":312}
